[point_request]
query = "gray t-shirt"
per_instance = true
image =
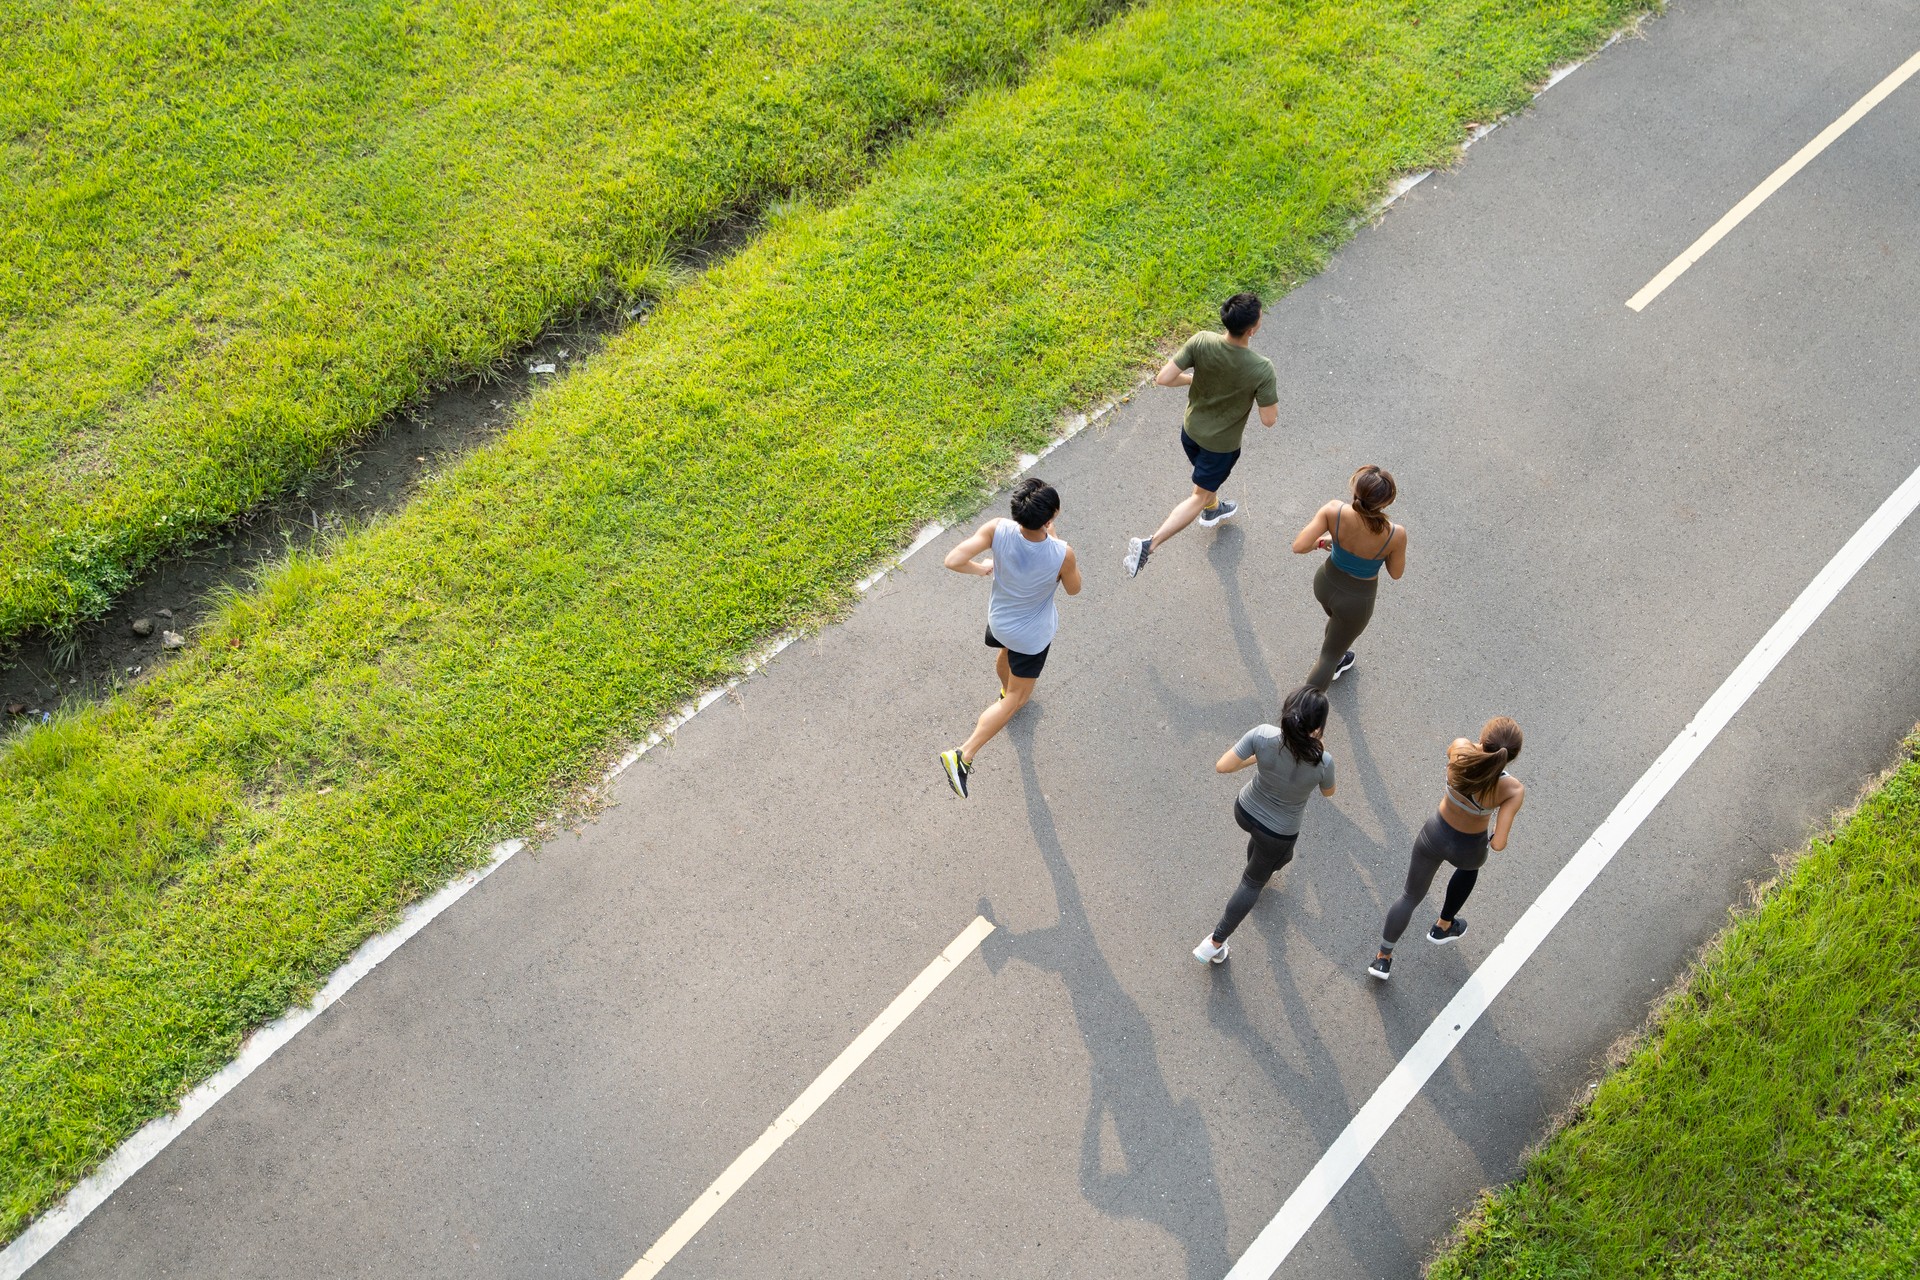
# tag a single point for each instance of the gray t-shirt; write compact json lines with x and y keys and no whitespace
{"x":1277,"y":793}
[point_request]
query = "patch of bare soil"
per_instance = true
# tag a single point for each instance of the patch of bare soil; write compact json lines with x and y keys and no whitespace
{"x":378,"y":475}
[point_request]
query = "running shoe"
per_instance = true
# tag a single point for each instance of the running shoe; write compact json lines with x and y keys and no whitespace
{"x":1222,"y":510}
{"x":1382,"y":966}
{"x":1210,"y":952}
{"x":957,"y":771}
{"x":1441,"y":937}
{"x":1346,"y":664}
{"x":1138,"y":549}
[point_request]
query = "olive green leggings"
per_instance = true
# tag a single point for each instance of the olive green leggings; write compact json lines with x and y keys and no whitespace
{"x":1349,"y":604}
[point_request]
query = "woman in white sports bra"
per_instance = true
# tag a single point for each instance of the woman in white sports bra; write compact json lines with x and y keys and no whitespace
{"x":1475,"y":814}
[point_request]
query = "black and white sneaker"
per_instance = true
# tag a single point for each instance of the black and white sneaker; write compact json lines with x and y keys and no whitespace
{"x":1346,"y":664}
{"x":1441,"y":937}
{"x":957,"y":771}
{"x":1138,"y":549}
{"x":1221,"y":510}
{"x":1382,"y":966}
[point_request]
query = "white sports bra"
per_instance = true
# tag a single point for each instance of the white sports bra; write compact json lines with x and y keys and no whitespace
{"x":1468,"y":806}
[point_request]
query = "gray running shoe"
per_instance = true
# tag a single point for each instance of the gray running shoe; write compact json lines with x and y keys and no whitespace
{"x":1138,"y":549}
{"x":1346,"y":665}
{"x":1441,"y":937}
{"x":1222,"y":510}
{"x":957,"y":771}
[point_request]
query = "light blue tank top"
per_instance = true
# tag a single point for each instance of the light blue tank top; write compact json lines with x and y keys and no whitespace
{"x":1021,"y":611}
{"x":1355,"y":566}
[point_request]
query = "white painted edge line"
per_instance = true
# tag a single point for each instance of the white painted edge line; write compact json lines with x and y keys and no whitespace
{"x":1271,"y":1247}
{"x":53,"y":1226}
{"x":748,"y":1162}
{"x":1407,"y":182}
{"x":1775,"y":180}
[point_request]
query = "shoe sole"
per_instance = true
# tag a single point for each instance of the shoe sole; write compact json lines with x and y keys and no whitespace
{"x":1219,"y":959}
{"x":1343,"y":670}
{"x":1441,"y":942}
{"x":953,"y":778}
{"x":1133,"y":561}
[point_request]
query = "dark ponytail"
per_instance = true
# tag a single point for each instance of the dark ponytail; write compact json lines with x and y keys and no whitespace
{"x":1373,"y":492}
{"x":1302,"y":715}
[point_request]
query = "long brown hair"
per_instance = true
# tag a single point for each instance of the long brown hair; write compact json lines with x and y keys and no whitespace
{"x":1474,"y":771}
{"x":1373,"y":491}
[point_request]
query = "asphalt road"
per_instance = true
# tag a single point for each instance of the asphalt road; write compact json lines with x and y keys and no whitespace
{"x":1607,"y":510}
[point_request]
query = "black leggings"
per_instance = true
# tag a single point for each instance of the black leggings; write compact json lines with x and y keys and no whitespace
{"x":1267,"y":852}
{"x":1439,"y":841}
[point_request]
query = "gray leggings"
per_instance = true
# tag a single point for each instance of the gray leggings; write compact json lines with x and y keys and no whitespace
{"x":1349,"y":604}
{"x":1439,"y":841}
{"x":1267,"y":852}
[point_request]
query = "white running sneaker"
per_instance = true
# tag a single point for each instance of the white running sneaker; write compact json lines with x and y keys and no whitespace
{"x":1209,"y":952}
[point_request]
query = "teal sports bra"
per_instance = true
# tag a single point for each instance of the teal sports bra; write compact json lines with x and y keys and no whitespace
{"x":1358,"y":566}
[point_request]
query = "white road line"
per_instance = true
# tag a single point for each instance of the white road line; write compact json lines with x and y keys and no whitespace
{"x":749,"y":1161}
{"x":1271,"y":1247}
{"x":1777,"y":179}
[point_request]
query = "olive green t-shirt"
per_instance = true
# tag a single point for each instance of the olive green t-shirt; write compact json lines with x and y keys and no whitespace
{"x":1227,"y":381}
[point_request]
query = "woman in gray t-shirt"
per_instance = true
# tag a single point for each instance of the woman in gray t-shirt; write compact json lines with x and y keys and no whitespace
{"x":1292,"y":762}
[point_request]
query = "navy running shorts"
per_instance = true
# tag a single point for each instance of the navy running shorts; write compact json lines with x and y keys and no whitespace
{"x":1210,"y":469}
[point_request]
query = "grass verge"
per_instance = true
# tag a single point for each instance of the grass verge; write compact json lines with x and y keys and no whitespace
{"x":234,"y":235}
{"x":1768,"y":1123}
{"x":180,"y":863}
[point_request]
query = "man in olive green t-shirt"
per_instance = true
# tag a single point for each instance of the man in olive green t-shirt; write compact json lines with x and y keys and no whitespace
{"x":1224,"y":378}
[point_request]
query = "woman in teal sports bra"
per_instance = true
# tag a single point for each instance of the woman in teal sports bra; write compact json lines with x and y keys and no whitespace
{"x":1359,"y":541}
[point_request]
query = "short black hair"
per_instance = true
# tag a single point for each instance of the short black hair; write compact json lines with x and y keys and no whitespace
{"x":1034,"y":503}
{"x":1240,"y":313}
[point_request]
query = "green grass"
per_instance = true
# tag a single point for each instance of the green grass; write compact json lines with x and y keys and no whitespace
{"x":184,"y":861}
{"x":234,"y":235}
{"x":1769,"y":1122}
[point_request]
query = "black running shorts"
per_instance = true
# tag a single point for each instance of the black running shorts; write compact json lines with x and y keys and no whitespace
{"x":1024,"y":665}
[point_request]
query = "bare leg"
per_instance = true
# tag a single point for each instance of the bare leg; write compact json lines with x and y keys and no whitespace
{"x":995,"y":717}
{"x":1183,"y":515}
{"x":1005,"y":670}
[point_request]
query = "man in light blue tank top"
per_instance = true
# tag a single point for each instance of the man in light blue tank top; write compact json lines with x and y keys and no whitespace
{"x":1028,"y":563}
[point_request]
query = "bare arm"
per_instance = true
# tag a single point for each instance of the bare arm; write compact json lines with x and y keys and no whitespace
{"x":1269,"y":414}
{"x":960,"y":559}
{"x":1070,"y":574}
{"x":1172,"y":375}
{"x":1503,"y":821}
{"x":1231,"y":762}
{"x":1320,"y":526}
{"x":1397,"y":558}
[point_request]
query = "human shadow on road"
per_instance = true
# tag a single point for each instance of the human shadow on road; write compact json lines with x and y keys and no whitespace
{"x":1311,"y":1077}
{"x":1488,"y":1091}
{"x":1350,"y":731}
{"x":1224,"y":553}
{"x":1168,"y":1178}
